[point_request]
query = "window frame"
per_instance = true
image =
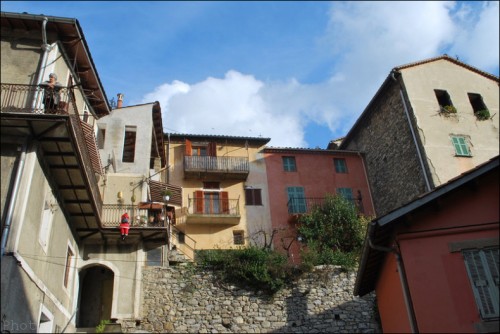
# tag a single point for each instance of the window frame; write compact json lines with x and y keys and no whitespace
{"x":289,"y":163}
{"x":298,"y":204}
{"x":340,"y":165}
{"x":483,"y":287}
{"x":68,"y":267}
{"x":253,"y":196}
{"x":346,"y":193}
{"x":239,"y":237}
{"x":461,"y":146}
{"x":130,"y":136}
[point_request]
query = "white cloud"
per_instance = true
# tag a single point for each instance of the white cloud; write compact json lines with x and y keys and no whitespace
{"x":367,"y":40}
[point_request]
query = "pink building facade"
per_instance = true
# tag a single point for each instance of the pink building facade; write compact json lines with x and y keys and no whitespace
{"x":299,"y":178}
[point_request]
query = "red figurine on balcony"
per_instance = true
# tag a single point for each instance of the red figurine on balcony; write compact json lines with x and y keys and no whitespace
{"x":124,"y":225}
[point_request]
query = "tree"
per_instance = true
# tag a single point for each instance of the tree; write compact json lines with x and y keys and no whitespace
{"x":332,"y":232}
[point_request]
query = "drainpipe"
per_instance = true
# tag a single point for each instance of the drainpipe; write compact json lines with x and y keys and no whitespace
{"x":12,"y":201}
{"x":168,"y":157}
{"x":46,"y":49}
{"x":420,"y":159}
{"x":402,"y":276}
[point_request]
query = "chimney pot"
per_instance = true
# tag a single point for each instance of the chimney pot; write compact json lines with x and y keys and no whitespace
{"x":119,"y":104}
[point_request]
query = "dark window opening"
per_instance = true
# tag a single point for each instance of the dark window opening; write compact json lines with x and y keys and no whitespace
{"x":253,"y":196}
{"x":238,"y":237}
{"x":129,"y":144}
{"x":443,"y":98}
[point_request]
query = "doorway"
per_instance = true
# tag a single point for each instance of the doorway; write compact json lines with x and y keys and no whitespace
{"x":96,"y":296}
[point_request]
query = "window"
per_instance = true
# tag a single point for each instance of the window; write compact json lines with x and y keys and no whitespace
{"x":476,"y":101}
{"x":239,"y":237}
{"x":129,"y":144}
{"x":46,"y":225}
{"x":296,"y":200}
{"x":443,"y":99}
{"x":211,"y":202}
{"x":346,"y":193}
{"x":67,"y":271}
{"x":253,"y":196}
{"x":289,"y":164}
{"x":482,"y":269}
{"x":200,"y":151}
{"x":181,"y":237}
{"x":340,"y":165}
{"x":101,"y":136}
{"x":461,"y":147}
{"x":154,"y":257}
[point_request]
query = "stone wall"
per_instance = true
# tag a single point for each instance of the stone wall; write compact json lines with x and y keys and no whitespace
{"x":384,"y":137}
{"x":183,"y":300}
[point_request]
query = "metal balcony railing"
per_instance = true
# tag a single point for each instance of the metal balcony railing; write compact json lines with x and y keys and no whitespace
{"x":211,"y":207}
{"x":111,"y":215}
{"x":299,"y":205}
{"x":32,"y":99}
{"x":216,"y":164}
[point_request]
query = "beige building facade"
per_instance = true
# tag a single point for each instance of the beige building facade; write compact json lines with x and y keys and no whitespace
{"x":224,"y":190}
{"x":429,"y":122}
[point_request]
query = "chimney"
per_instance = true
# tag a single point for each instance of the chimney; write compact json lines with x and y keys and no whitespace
{"x":120,"y":101}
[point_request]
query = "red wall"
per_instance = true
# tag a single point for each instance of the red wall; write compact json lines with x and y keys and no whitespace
{"x":439,"y":286}
{"x":316,"y":173}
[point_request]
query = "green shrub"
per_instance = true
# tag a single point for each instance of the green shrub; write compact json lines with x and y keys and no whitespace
{"x":483,"y":114}
{"x":102,"y":325}
{"x":250,"y":267}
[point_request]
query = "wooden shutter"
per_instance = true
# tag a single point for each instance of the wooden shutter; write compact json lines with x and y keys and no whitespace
{"x":225,"y":202}
{"x":189,"y":148}
{"x":482,"y":267}
{"x":212,"y":149}
{"x":198,"y":201}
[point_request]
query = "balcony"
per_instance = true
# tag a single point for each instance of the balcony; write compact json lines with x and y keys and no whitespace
{"x":196,"y":167}
{"x":213,"y":212}
{"x":67,"y":146}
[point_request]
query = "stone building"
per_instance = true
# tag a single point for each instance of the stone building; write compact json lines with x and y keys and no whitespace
{"x":429,"y":122}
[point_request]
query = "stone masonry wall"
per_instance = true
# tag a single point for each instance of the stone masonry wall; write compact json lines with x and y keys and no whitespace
{"x":384,"y":137}
{"x":183,"y":300}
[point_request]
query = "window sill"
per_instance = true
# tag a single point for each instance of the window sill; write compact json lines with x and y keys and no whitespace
{"x":487,"y":326}
{"x":463,"y":156}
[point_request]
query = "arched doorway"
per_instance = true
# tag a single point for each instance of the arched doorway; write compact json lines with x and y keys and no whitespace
{"x":96,"y":296}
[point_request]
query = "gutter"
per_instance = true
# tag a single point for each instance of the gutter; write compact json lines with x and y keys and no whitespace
{"x":402,"y":276}
{"x":12,"y":201}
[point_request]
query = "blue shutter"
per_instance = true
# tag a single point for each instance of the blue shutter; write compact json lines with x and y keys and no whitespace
{"x":296,"y":200}
{"x":482,"y":268}
{"x":461,"y":148}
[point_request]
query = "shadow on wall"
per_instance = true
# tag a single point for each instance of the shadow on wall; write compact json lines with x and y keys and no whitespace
{"x":357,"y":316}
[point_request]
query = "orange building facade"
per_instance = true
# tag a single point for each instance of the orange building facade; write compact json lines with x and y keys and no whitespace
{"x":434,"y":262}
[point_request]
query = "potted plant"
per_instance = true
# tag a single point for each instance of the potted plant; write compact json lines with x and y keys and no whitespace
{"x":482,"y":114}
{"x":166,"y":195}
{"x":449,"y":109}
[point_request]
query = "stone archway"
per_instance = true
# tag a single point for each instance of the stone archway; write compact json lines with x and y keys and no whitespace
{"x":96,"y":295}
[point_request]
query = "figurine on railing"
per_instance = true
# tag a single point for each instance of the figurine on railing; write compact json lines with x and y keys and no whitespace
{"x":51,"y":95}
{"x":124,"y":225}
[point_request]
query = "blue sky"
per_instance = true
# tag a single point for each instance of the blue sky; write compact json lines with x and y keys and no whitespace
{"x":297,"y":72}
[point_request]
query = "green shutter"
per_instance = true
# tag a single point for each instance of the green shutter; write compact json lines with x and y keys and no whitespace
{"x":296,"y":199}
{"x":482,"y":268}
{"x":461,"y":148}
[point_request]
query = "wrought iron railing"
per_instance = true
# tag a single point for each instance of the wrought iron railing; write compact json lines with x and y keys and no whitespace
{"x":183,"y":243}
{"x":221,"y":207}
{"x":216,"y":164}
{"x":111,"y":214}
{"x":32,"y":99}
{"x":299,"y":205}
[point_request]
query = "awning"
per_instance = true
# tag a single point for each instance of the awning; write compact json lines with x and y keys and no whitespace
{"x":151,"y":205}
